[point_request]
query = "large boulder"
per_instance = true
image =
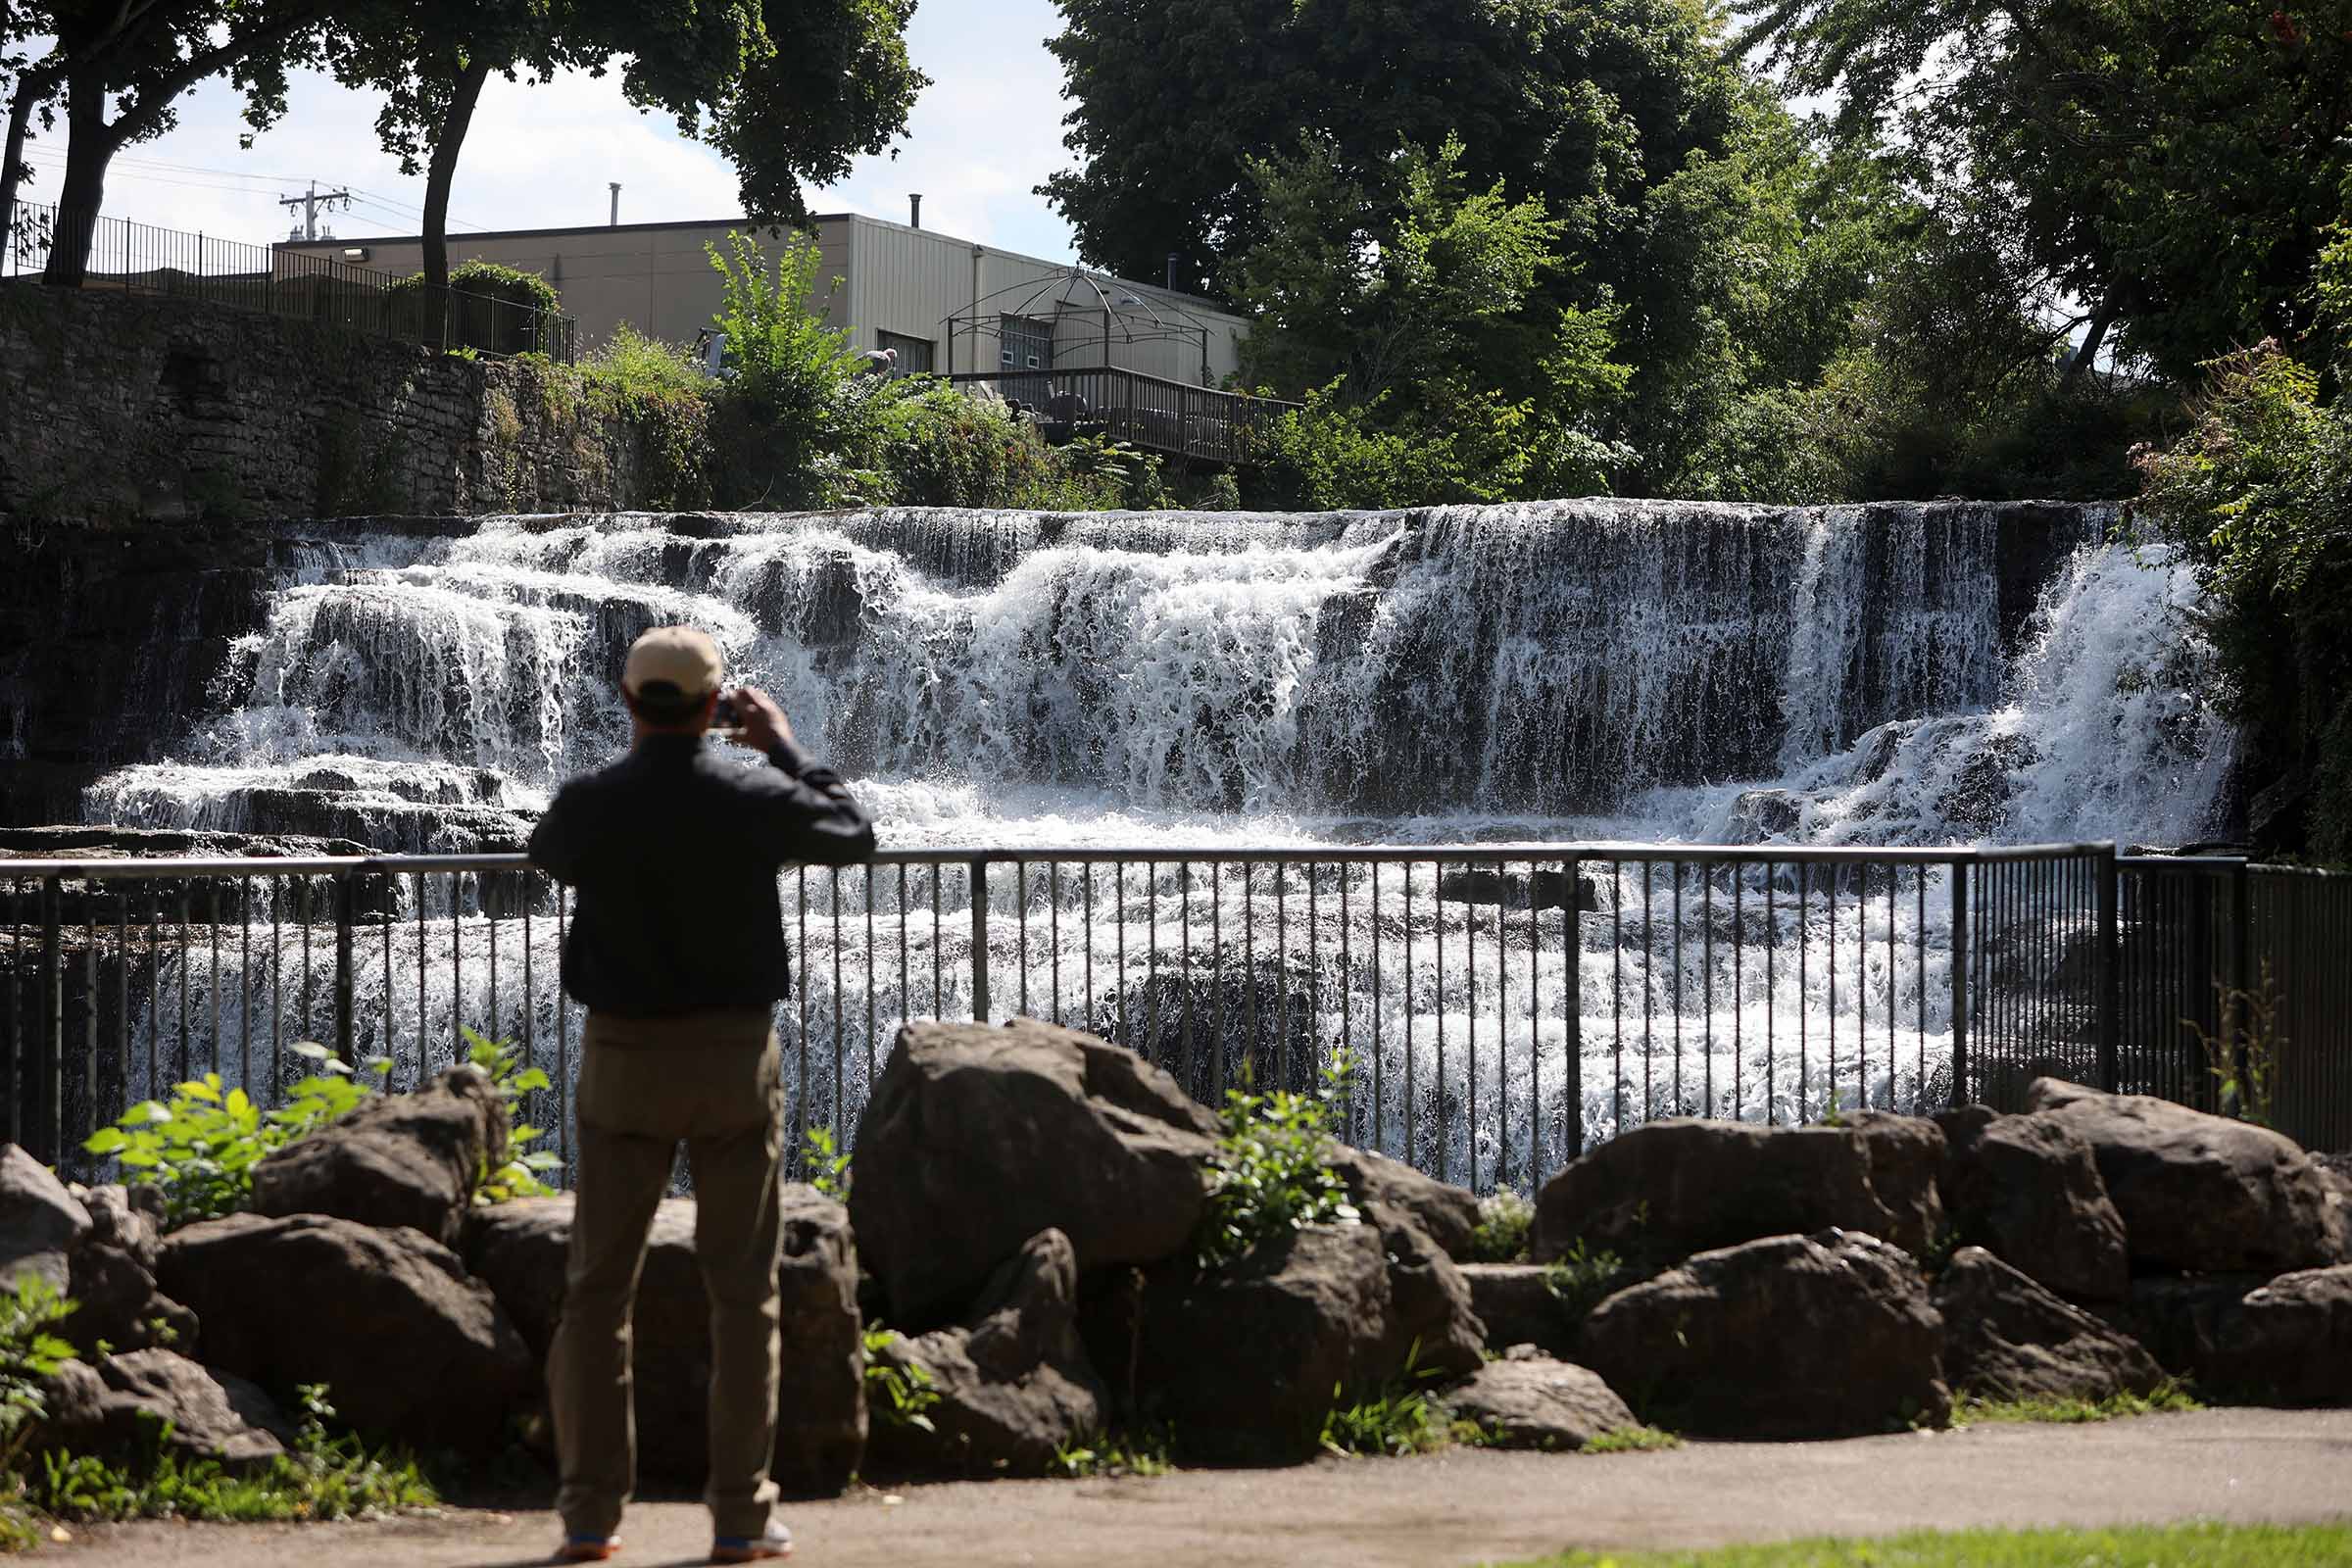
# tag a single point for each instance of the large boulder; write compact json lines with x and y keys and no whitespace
{"x":397,"y":1159}
{"x":1668,"y":1189}
{"x":124,"y":1407}
{"x":38,"y":1221}
{"x":1432,"y":1327}
{"x":2336,"y":1171}
{"x":2176,"y":1317}
{"x":2288,"y":1341}
{"x":113,"y":1269}
{"x":1013,"y":1382}
{"x":413,"y":1349}
{"x":2028,"y":1189}
{"x":2199,"y":1193}
{"x":978,"y":1138}
{"x":1242,"y":1363}
{"x":520,"y":1250}
{"x":1529,"y":1400}
{"x":1824,"y":1336}
{"x":2006,"y":1338}
{"x":1447,"y":1214}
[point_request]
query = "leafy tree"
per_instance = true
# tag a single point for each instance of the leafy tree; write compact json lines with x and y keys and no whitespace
{"x":116,"y":67}
{"x":2158,"y":174}
{"x":785,"y":100}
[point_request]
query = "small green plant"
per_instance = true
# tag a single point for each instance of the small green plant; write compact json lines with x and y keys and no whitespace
{"x":828,"y":1167}
{"x":2244,"y":1055}
{"x":322,"y":1476}
{"x":512,"y":1075}
{"x":1632,"y":1439}
{"x":1503,"y":1223}
{"x":1583,"y":1277}
{"x":897,"y":1395}
{"x":199,"y":1149}
{"x":1115,"y":1454}
{"x":2166,"y":1397}
{"x":28,"y":1355}
{"x":1270,"y":1173}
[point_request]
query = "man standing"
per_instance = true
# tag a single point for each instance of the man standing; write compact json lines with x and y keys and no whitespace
{"x":676,"y":950}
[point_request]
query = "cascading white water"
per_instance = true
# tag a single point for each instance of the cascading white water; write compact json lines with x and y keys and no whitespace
{"x":1515,"y":674}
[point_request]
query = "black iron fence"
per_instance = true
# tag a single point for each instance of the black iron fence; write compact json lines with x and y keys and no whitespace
{"x":1497,"y":1009}
{"x":1148,"y":412}
{"x":137,"y":259}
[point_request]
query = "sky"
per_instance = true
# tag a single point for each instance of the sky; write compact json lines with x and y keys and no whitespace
{"x":985,"y":131}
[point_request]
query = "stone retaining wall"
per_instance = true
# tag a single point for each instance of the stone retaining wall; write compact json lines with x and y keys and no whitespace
{"x":123,"y":407}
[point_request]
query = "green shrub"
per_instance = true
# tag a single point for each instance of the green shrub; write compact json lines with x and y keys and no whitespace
{"x":1270,"y":1173}
{"x":28,"y":1355}
{"x":1397,"y":1421}
{"x":199,"y":1149}
{"x":325,"y":1477}
{"x":1582,"y":1278}
{"x":945,"y":449}
{"x":511,"y":1076}
{"x":491,"y":306}
{"x":897,"y":1395}
{"x":827,"y":1164}
{"x":1501,"y":1236}
{"x":1632,"y":1439}
{"x":1115,"y":1454}
{"x":2167,"y":1397}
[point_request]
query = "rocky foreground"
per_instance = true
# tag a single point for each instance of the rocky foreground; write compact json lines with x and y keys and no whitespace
{"x":1023,"y":1212}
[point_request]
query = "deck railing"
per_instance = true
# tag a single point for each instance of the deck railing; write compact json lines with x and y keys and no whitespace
{"x":1503,"y":1006}
{"x":1148,"y":412}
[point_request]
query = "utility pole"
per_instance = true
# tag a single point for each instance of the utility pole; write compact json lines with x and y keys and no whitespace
{"x":309,"y":205}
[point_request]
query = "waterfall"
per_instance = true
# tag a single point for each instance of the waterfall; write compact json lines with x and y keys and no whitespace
{"x":1512,"y":674}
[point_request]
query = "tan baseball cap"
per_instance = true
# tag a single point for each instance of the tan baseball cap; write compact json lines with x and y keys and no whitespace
{"x":681,"y":656}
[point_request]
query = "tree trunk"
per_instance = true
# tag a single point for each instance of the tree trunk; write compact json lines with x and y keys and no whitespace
{"x":90,"y":144}
{"x":36,"y":85}
{"x":465,"y":92}
{"x":2088,"y":350}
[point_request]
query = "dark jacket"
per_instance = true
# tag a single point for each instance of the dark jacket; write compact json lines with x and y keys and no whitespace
{"x":674,"y":853}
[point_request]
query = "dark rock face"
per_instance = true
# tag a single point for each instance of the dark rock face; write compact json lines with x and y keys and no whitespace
{"x":1516,"y":1303}
{"x":113,"y":1407}
{"x":112,"y":1266}
{"x":1241,"y":1363}
{"x":1014,"y":1381}
{"x":1429,"y":1320}
{"x":2029,"y":1188}
{"x":1791,"y":1337}
{"x":2006,"y":1338}
{"x":1529,"y":1400}
{"x":2199,"y":1193}
{"x":397,"y":1159}
{"x":520,"y":1250}
{"x":2336,"y":1171}
{"x":414,"y":1349}
{"x":951,"y":1180}
{"x":39,"y":1221}
{"x":1668,"y":1189}
{"x":1446,"y":1213}
{"x":2288,"y":1341}
{"x":2176,"y":1317}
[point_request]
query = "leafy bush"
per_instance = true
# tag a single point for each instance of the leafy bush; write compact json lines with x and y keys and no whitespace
{"x":1115,"y":1454}
{"x":1269,"y":1174}
{"x":945,"y":449}
{"x":325,"y":1477}
{"x":665,"y":394}
{"x":1501,"y":1235}
{"x":1397,"y":1421}
{"x":2167,"y":1397}
{"x":28,"y":1355}
{"x":200,"y":1148}
{"x":827,"y":1164}
{"x":512,"y":1077}
{"x":799,"y":419}
{"x":1632,"y":1439}
{"x":1582,"y":1278}
{"x":896,"y":1395}
{"x":475,"y":319}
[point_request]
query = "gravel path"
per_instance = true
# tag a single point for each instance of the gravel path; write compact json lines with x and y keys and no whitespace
{"x":1461,"y":1507}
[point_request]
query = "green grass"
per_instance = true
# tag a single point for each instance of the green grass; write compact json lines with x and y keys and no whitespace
{"x":2168,"y":1397}
{"x":2198,"y":1546}
{"x":1632,"y":1439}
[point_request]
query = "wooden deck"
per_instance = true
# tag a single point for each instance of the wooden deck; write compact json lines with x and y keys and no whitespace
{"x":1147,"y":412}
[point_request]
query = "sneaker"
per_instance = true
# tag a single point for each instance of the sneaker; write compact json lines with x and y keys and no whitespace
{"x":588,"y":1549}
{"x":775,"y":1543}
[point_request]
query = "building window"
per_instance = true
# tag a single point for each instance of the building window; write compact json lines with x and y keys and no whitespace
{"x":914,"y":353}
{"x":1025,"y":344}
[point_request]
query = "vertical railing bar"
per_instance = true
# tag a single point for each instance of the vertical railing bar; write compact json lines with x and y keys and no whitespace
{"x":1086,"y":869}
{"x":1707,"y":959}
{"x":865,"y":883}
{"x":1962,"y":947}
{"x":564,"y":1032}
{"x":1739,"y":999}
{"x":186,"y":919}
{"x":305,"y":911}
{"x":1437,"y":986}
{"x":1216,"y":978}
{"x":840,"y":1105}
{"x":1314,"y":973}
{"x":1617,"y":991}
{"x":1346,"y":1007}
{"x":212,"y":914}
{"x":1020,"y":910}
{"x":344,"y":973}
{"x":976,"y":882}
{"x":1572,"y":1071}
{"x":2107,"y":974}
{"x":1650,"y":990}
{"x":1919,"y":964}
{"x":1804,"y":980}
{"x":1771,"y":944}
{"x":490,"y":927}
{"x":1281,"y":969}
{"x":1894,"y":877}
{"x":1054,"y":929}
{"x":14,"y":1105}
{"x":1379,"y":1083}
{"x":530,"y":995}
{"x":1409,"y":1074}
{"x":277,"y":992}
{"x":1186,"y":1048}
{"x":939,"y":1007}
{"x":1503,"y":1024}
{"x":89,"y":1017}
{"x":1253,"y":1050}
{"x":155,"y":985}
{"x":52,"y":1123}
{"x":1118,"y":870}
{"x":1830,"y":963}
{"x":457,"y":972}
{"x":1677,"y":869}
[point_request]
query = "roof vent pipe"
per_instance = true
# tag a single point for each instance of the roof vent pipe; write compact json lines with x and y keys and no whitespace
{"x":914,"y":209}
{"x":1171,"y":271}
{"x":614,"y":185}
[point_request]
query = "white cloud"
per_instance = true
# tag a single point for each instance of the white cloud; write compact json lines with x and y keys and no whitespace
{"x":985,"y":132}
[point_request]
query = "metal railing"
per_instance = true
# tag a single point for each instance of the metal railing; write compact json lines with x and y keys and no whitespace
{"x":1148,"y":412}
{"x":137,"y":259}
{"x":1502,"y":1007}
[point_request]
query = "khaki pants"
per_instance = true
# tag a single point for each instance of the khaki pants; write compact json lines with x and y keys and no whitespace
{"x":709,"y":1080}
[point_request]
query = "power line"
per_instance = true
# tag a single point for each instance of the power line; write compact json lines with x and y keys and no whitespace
{"x":130,"y":169}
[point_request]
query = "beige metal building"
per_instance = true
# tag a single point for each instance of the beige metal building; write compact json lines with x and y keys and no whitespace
{"x":945,"y":303}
